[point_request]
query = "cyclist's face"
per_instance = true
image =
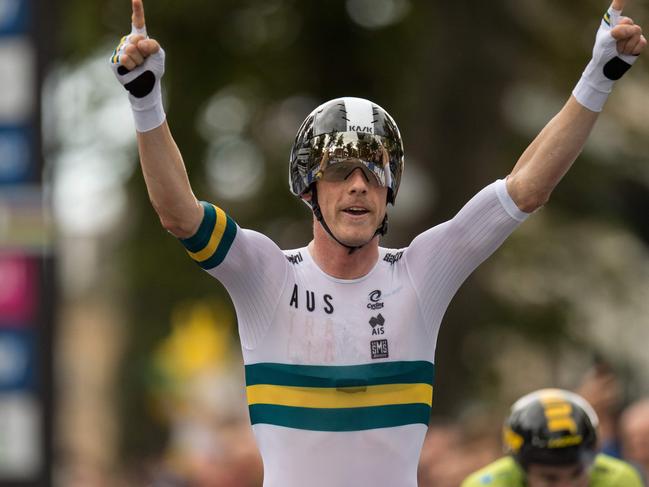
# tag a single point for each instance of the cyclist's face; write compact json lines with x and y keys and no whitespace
{"x":352,"y":205}
{"x":554,"y":476}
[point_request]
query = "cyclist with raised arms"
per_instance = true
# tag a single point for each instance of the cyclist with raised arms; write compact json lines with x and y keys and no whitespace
{"x":339,"y":336}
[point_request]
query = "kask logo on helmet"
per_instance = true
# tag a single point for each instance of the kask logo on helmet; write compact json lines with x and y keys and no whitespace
{"x":358,"y":128}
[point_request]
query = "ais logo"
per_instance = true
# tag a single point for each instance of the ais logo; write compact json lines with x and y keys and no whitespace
{"x":377,"y":323}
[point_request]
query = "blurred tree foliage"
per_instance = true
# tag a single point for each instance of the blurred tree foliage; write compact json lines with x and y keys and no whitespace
{"x":444,"y":71}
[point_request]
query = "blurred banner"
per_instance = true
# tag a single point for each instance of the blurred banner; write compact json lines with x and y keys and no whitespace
{"x":25,"y":254}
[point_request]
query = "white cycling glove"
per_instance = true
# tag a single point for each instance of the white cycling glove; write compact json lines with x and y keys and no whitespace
{"x":605,"y":67}
{"x":143,"y":84}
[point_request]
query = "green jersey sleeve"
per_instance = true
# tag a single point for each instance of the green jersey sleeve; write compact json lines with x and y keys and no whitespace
{"x":501,"y":473}
{"x":611,"y":472}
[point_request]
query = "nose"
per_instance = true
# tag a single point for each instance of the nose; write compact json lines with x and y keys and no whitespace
{"x":357,"y":181}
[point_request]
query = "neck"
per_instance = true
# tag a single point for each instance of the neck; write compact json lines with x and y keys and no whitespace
{"x":335,"y":260}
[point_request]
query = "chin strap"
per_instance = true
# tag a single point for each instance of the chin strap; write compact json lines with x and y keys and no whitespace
{"x":382,"y":230}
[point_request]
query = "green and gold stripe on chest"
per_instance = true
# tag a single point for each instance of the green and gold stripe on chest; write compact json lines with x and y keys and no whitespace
{"x":340,"y":398}
{"x":209,"y":246}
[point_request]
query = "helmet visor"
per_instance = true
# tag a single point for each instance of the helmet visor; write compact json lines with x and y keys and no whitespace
{"x":342,"y":170}
{"x":337,"y":154}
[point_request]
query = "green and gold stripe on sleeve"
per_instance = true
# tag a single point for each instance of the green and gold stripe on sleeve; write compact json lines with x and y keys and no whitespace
{"x":209,"y":246}
{"x":340,"y":398}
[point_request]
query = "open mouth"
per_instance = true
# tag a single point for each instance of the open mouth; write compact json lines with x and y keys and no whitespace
{"x":356,"y":210}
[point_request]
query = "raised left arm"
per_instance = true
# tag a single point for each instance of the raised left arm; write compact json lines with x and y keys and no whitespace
{"x":540,"y":168}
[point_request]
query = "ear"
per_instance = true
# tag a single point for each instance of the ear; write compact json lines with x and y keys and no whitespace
{"x":306,"y":196}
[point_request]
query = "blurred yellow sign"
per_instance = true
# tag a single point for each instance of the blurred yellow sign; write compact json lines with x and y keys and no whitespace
{"x":200,"y":339}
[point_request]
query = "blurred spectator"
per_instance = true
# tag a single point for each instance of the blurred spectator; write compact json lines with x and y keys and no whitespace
{"x":451,"y":451}
{"x":602,"y":389}
{"x":226,"y":457}
{"x":634,"y":435}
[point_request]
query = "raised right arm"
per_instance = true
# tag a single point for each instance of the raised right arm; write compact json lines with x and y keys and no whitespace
{"x":250,"y":266}
{"x":167,"y":182}
{"x":138,"y":63}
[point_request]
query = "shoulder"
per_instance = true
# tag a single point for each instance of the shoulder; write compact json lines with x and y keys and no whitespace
{"x":247,"y":251}
{"x":501,"y":473}
{"x":296,"y":256}
{"x":390,"y":256}
{"x":611,"y":472}
{"x":256,"y":240}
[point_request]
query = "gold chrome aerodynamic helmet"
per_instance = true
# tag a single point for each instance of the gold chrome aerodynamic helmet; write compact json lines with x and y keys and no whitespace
{"x":343,"y":134}
{"x":551,"y":427}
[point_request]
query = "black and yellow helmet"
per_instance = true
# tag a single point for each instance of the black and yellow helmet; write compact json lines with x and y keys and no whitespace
{"x":551,"y":427}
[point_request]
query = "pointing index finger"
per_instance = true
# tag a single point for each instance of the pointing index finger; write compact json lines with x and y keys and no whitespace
{"x":138,"y":14}
{"x":616,"y":5}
